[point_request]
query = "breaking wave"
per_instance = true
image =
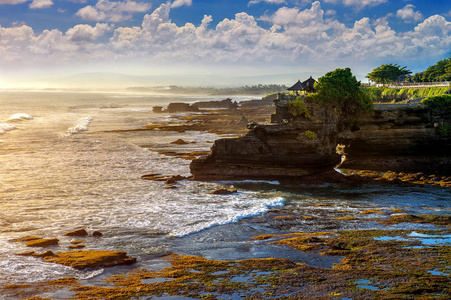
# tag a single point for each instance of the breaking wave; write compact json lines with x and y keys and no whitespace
{"x":82,"y":125}
{"x":4,"y":127}
{"x":228,"y":216}
{"x":20,"y":117}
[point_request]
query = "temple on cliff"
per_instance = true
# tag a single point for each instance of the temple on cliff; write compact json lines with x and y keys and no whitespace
{"x":304,"y":86}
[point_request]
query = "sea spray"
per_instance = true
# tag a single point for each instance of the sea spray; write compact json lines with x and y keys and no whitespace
{"x":230,"y":212}
{"x":82,"y":125}
{"x":4,"y":127}
{"x":20,"y":117}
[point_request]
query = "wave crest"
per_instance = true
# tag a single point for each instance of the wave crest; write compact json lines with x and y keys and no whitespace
{"x":4,"y":127}
{"x":20,"y":117}
{"x":82,"y":125}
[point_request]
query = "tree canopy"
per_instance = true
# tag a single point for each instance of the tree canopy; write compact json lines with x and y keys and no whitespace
{"x":388,"y":73}
{"x":341,"y":89}
{"x":439,"y":72}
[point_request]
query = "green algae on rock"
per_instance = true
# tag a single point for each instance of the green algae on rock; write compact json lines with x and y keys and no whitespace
{"x":83,"y":259}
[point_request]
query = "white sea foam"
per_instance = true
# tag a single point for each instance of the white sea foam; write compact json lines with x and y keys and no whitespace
{"x":82,"y":125}
{"x":20,"y":117}
{"x":234,"y":212}
{"x":4,"y":127}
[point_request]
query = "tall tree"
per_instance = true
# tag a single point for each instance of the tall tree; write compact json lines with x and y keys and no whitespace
{"x":341,"y":89}
{"x":438,"y":72}
{"x":388,"y":73}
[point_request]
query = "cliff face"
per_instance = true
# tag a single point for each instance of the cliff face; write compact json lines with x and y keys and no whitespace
{"x":404,"y":139}
{"x":277,"y":150}
{"x":399,"y":140}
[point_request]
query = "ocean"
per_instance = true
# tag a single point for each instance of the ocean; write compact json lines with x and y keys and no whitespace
{"x":71,"y":160}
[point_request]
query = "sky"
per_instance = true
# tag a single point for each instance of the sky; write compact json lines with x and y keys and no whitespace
{"x":211,"y":41}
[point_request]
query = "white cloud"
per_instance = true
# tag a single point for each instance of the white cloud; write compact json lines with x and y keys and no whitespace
{"x":330,"y":12}
{"x":267,"y":1}
{"x":360,"y":4}
{"x":292,"y":37}
{"x":106,"y":10}
{"x":408,"y":15}
{"x":178,"y":3}
{"x":40,"y":4}
{"x":86,"y":33}
{"x":434,"y":26}
{"x":12,"y":2}
{"x":90,"y":13}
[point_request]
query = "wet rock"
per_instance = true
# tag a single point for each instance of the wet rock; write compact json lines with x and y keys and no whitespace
{"x":79,"y":246}
{"x":157,"y":109}
{"x":45,"y":254}
{"x":29,"y":253}
{"x":42,"y":242}
{"x":78,"y":232}
{"x":179,"y":142}
{"x":150,"y":176}
{"x":224,"y":192}
{"x":97,"y":234}
{"x":83,"y":259}
{"x":26,"y":239}
{"x":181,"y":107}
{"x":175,"y":179}
{"x":32,"y":253}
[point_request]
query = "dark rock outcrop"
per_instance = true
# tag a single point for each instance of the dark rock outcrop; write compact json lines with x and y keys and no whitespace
{"x":275,"y":151}
{"x":181,"y":107}
{"x":390,"y":138}
{"x":78,"y":232}
{"x":404,"y":139}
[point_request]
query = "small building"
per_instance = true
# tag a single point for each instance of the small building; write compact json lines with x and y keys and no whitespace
{"x":309,"y":85}
{"x":306,"y":86}
{"x":298,"y":86}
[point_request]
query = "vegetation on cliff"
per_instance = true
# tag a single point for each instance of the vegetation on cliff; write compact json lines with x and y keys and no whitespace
{"x":441,"y":105}
{"x":341,"y":89}
{"x":388,"y":73}
{"x":382,"y":94}
{"x":441,"y":71}
{"x":297,"y":107}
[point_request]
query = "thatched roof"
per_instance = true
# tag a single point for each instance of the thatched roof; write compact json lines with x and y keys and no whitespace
{"x":309,"y":83}
{"x":298,"y":86}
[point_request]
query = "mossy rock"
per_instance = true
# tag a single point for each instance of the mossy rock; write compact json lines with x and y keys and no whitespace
{"x":83,"y":259}
{"x":42,"y":242}
{"x":78,"y":232}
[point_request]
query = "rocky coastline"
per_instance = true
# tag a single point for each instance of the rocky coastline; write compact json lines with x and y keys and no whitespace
{"x":398,"y":138}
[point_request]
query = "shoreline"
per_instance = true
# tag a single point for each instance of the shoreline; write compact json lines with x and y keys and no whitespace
{"x":198,"y":266}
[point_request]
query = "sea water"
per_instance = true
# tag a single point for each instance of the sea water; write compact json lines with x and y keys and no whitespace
{"x":75,"y":160}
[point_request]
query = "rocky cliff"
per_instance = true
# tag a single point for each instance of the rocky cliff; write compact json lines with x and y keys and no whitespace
{"x":390,"y":138}
{"x":402,"y":139}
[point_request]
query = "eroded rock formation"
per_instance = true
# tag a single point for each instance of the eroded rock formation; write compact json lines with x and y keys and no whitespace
{"x":390,"y":138}
{"x":403,"y":139}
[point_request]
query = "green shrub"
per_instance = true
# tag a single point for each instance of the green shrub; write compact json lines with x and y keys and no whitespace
{"x":444,"y":131}
{"x":439,"y":104}
{"x":297,"y":108}
{"x":310,"y":135}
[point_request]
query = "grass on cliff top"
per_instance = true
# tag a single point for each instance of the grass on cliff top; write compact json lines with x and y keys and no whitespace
{"x":386,"y":94}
